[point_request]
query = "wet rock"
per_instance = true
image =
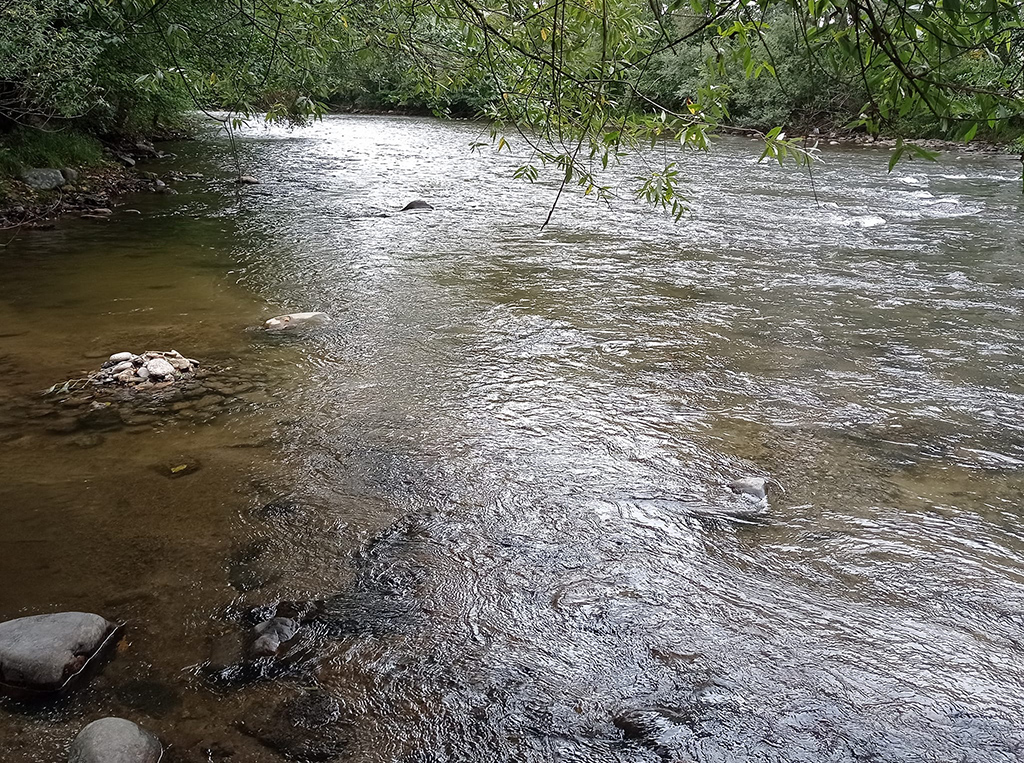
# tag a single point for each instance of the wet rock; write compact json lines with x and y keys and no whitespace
{"x":247,"y":180}
{"x":279,"y":507}
{"x":179,"y":468}
{"x":115,"y":740}
{"x":416,"y":204}
{"x":271,"y":635}
{"x":120,"y":357}
{"x":42,"y":653}
{"x":159,"y":367}
{"x":122,"y":366}
{"x":309,"y":727}
{"x":753,"y":489}
{"x":294,"y":320}
{"x":42,"y":178}
{"x":101,"y":416}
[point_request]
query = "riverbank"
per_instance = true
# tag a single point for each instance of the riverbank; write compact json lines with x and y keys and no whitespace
{"x":79,"y":175}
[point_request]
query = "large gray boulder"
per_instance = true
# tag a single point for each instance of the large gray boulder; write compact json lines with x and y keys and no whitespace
{"x":42,"y":652}
{"x":43,"y":178}
{"x":115,"y":740}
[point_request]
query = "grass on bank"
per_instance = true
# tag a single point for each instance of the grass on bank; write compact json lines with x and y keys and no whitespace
{"x":25,"y":147}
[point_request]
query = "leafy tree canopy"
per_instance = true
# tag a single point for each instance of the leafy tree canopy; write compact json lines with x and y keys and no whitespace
{"x":580,"y":81}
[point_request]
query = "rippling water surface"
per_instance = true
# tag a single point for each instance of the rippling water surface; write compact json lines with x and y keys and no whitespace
{"x":499,"y":471}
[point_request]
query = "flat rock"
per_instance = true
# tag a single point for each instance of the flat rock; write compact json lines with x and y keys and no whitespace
{"x":42,"y":652}
{"x":115,"y":740}
{"x":294,"y":320}
{"x":43,"y":178}
{"x":120,"y":357}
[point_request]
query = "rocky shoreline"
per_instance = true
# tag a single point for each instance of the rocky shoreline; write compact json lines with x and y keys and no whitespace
{"x":40,"y":195}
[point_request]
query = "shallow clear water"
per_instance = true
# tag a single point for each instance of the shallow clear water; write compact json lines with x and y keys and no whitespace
{"x":500,"y":468}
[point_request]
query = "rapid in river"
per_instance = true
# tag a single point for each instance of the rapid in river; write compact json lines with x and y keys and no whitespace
{"x":497,"y":476}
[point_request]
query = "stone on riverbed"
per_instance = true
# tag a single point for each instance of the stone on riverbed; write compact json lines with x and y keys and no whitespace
{"x":119,"y":357}
{"x":115,"y":740}
{"x":310,"y":727}
{"x":294,"y":320}
{"x":42,"y":653}
{"x":271,"y":635}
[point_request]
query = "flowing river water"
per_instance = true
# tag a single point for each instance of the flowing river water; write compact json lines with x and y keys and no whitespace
{"x":499,"y":471}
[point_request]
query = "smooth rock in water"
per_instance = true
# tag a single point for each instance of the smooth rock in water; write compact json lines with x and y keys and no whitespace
{"x":115,"y":740}
{"x":120,"y":357}
{"x":143,"y":373}
{"x":42,"y":178}
{"x":272,"y":634}
{"x":159,"y":367}
{"x":247,"y":180}
{"x":180,"y":363}
{"x":124,"y":365}
{"x":293,"y":320}
{"x":417,"y":204}
{"x":42,"y":652}
{"x":753,"y":489}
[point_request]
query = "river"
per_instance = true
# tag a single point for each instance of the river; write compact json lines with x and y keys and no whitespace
{"x":500,"y":468}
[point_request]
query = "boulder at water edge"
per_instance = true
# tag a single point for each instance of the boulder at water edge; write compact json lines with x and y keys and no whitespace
{"x":42,"y":653}
{"x":115,"y":740}
{"x":43,"y":178}
{"x":294,"y":320}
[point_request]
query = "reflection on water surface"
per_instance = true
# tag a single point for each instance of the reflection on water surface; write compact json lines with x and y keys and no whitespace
{"x":493,"y":486}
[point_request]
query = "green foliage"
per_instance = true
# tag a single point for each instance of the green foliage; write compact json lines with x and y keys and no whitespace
{"x":575,"y":84}
{"x":47,"y":54}
{"x":769,"y":74}
{"x":28,"y":147}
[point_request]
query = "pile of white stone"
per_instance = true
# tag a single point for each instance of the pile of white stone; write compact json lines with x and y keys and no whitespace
{"x":152,"y":367}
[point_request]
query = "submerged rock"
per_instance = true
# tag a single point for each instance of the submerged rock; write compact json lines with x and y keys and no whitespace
{"x":416,"y":204}
{"x":42,"y":653}
{"x":294,"y":320}
{"x":115,"y":740}
{"x":308,"y":727}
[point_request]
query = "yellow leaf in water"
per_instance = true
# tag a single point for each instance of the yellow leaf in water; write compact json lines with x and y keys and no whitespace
{"x":179,"y":468}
